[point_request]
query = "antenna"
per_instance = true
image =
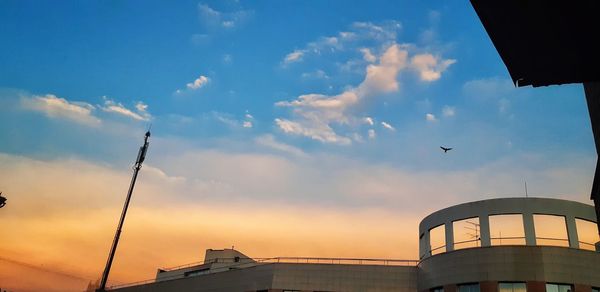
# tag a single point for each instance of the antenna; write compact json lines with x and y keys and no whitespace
{"x":526,"y":195}
{"x":136,"y":168}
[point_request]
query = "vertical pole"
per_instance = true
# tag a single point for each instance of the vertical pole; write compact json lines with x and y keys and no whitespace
{"x":136,"y":168}
{"x":592,"y":96}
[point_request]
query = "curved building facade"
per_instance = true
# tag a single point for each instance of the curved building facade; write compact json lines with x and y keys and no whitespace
{"x":513,"y":245}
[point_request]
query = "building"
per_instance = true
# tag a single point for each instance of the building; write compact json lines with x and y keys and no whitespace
{"x":498,"y":245}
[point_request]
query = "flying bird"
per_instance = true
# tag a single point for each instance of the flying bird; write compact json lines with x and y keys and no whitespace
{"x":445,"y":149}
{"x":2,"y":200}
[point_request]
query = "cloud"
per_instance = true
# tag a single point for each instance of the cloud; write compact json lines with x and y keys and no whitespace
{"x":384,"y":34}
{"x":269,"y":140}
{"x":214,"y":19}
{"x":369,"y":121}
{"x":430,"y":67}
{"x":227,"y":59}
{"x":488,"y":88}
{"x":382,"y":78}
{"x":330,"y":117}
{"x":315,"y":129}
{"x":368,"y":56}
{"x":448,"y":111}
{"x":247,"y":124}
{"x":430,"y":117}
{"x":198,"y":83}
{"x":116,"y":107}
{"x":319,"y":74}
{"x":294,"y":56}
{"x":388,"y":126}
{"x":316,"y":112}
{"x":56,"y":107}
{"x":371,"y":134}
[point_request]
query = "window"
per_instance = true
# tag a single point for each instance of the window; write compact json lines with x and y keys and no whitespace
{"x":466,"y":233}
{"x":594,"y":289}
{"x":437,"y":239}
{"x":587,"y":233}
{"x":468,"y":287}
{"x":558,"y":288}
{"x":507,"y":229}
{"x":550,"y":230}
{"x":438,"y":289}
{"x":512,"y":287}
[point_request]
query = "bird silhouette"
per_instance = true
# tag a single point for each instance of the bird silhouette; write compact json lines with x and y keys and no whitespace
{"x":2,"y":200}
{"x":445,"y":149}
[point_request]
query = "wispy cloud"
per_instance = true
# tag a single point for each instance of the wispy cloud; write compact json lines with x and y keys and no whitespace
{"x":448,"y":111}
{"x":214,"y":19}
{"x":316,"y":112}
{"x":57,"y":107}
{"x":388,"y":126}
{"x":292,"y":57}
{"x":269,"y":140}
{"x":141,"y":113}
{"x":430,"y":67}
{"x":318,"y":74}
{"x":315,"y":129}
{"x":371,"y":134}
{"x":199,"y":82}
{"x":430,"y":118}
{"x":368,"y":56}
{"x":383,"y":34}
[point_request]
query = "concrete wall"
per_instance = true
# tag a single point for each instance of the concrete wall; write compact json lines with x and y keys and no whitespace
{"x":249,"y":279}
{"x":358,"y":278}
{"x":511,"y":263}
{"x":302,"y":277}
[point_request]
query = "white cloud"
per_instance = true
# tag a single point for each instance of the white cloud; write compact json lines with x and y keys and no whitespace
{"x":247,"y":124}
{"x":489,"y":88}
{"x":316,"y":130}
{"x":384,"y":34}
{"x":294,"y":56}
{"x":388,"y":126}
{"x":270,"y":141}
{"x":56,"y":107}
{"x":448,"y":111}
{"x":227,"y":59}
{"x":214,"y":19}
{"x":430,"y":67}
{"x":430,"y":117}
{"x":317,"y":115}
{"x":248,"y":116}
{"x":369,"y":121}
{"x":503,"y":105}
{"x":368,"y":56}
{"x":142,"y":107}
{"x":118,"y":108}
{"x":382,"y":78}
{"x":316,"y":112}
{"x":319,"y":74}
{"x":371,"y":134}
{"x":198,"y":83}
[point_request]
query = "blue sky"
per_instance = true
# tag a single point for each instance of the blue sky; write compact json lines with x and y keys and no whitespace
{"x":327,"y":106}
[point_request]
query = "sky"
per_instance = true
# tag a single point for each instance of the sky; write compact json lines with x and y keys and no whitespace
{"x":282,"y":128}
